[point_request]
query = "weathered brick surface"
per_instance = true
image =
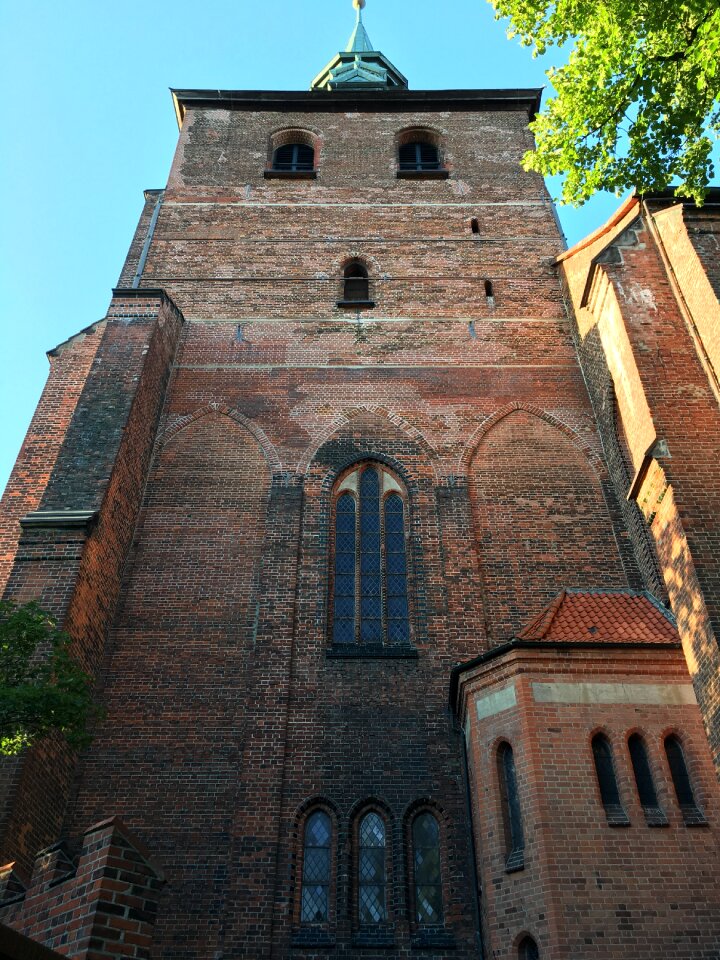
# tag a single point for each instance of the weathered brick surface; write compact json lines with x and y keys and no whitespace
{"x":229,"y":715}
{"x":69,"y":366}
{"x":101,"y":905}
{"x":588,"y":889}
{"x":636,"y":332}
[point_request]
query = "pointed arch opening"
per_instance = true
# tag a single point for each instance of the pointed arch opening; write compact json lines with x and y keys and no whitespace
{"x":607,"y":782}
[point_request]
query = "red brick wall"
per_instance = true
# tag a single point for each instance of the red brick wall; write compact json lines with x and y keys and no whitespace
{"x":540,"y":521}
{"x":69,"y":366}
{"x":588,"y":889}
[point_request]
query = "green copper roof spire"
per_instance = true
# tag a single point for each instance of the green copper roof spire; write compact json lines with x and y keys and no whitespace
{"x":359,"y":41}
{"x":359,"y":66}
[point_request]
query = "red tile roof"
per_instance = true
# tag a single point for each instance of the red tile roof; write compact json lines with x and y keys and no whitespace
{"x":602,"y":616}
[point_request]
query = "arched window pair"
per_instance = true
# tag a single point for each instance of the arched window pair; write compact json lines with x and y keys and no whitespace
{"x":369,"y":576}
{"x":644,"y":782}
{"x":371,"y":870}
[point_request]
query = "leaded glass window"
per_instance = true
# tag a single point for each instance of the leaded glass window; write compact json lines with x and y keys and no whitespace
{"x":371,"y":870}
{"x":370,"y":593}
{"x":316,"y":868}
{"x":426,"y":862}
{"x":512,"y":816}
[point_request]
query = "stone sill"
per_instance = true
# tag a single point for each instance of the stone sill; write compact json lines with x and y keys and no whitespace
{"x":358,"y":652}
{"x":364,"y":304}
{"x":290,"y":174}
{"x":423,"y":174}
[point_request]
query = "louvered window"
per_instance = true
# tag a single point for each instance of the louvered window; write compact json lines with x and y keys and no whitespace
{"x":512,"y":815}
{"x":316,"y":868}
{"x":684,"y":792}
{"x":294,"y":157}
{"x":419,"y":156}
{"x":607,"y":781}
{"x":371,"y":870}
{"x":426,"y":865}
{"x":370,"y":598}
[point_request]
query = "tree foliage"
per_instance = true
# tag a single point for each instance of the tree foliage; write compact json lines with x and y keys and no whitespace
{"x":638,"y":103}
{"x":42,"y":688}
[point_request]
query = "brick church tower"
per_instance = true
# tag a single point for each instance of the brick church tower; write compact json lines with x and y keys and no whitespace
{"x":334,"y":502}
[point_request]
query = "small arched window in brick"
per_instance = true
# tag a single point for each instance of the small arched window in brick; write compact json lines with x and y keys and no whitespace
{"x":607,"y":781}
{"x":692,"y":814}
{"x":316,"y":872}
{"x":293,"y":158}
{"x":644,"y":782}
{"x":369,"y":588}
{"x":511,"y":812}
{"x":426,"y":867}
{"x":528,"y":949}
{"x":356,"y":285}
{"x":371,"y":870}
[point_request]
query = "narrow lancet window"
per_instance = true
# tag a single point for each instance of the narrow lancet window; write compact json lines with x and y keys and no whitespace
{"x":426,"y":862}
{"x":512,"y":815}
{"x":692,"y":814}
{"x":607,"y":781}
{"x":371,"y":870}
{"x":344,"y":603}
{"x":644,"y":781}
{"x":316,"y":868}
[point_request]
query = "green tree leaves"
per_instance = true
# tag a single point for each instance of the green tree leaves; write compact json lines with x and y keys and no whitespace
{"x":638,"y":102}
{"x":42,"y":688}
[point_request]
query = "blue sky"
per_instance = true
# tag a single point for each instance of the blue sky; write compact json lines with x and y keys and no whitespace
{"x":88,"y":124}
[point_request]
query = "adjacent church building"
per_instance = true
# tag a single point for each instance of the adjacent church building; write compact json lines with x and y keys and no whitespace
{"x":389,"y":529}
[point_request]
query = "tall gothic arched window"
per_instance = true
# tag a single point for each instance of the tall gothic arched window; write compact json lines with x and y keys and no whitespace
{"x":644,"y":782}
{"x":369,"y":582}
{"x":607,"y":781}
{"x":692,"y":814}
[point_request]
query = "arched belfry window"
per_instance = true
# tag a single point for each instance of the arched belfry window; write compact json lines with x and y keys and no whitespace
{"x":418,"y":155}
{"x":317,"y":845}
{"x":607,"y":781}
{"x":356,"y":285}
{"x":293,"y":158}
{"x":369,"y":582}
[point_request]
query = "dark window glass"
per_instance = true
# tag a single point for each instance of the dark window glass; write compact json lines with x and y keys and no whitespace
{"x":356,"y":286}
{"x":642,"y":772}
{"x":512,"y":816}
{"x":419,"y":156}
{"x":426,"y":859}
{"x":528,"y":950}
{"x":371,"y":870}
{"x":679,"y":773}
{"x":607,"y":781}
{"x":294,"y":157}
{"x":316,"y":868}
{"x":370,"y":601}
{"x":345,"y":537}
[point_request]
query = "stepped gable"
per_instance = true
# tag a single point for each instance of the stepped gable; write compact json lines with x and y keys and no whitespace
{"x":602,"y":616}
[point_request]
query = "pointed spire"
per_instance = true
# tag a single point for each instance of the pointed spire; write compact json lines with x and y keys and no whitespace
{"x":359,"y":41}
{"x":359,"y":66}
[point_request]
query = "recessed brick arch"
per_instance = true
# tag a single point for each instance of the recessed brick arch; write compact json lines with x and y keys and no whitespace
{"x":216,"y":409}
{"x":345,"y":419}
{"x":476,"y":437}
